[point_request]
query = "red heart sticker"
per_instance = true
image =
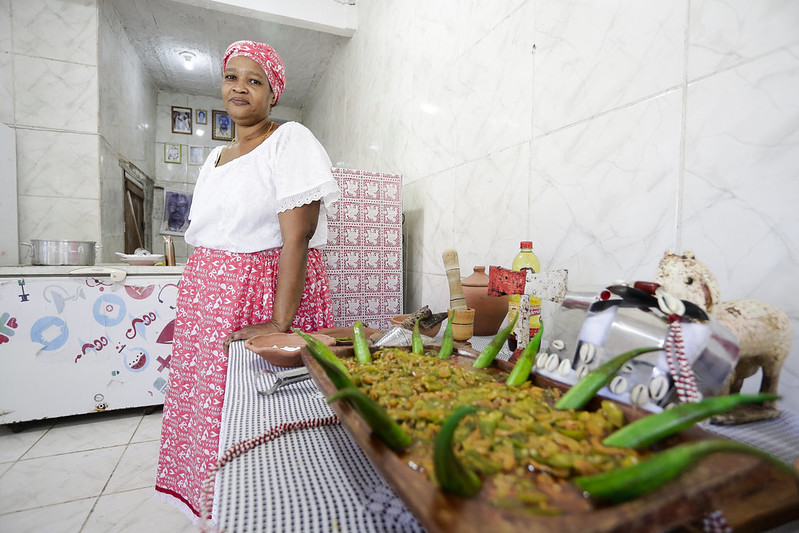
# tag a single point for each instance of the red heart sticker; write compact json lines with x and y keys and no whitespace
{"x":12,"y":323}
{"x":3,"y":339}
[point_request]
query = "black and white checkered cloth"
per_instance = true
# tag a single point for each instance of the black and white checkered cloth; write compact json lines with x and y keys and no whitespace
{"x":318,"y":479}
{"x":305,"y":480}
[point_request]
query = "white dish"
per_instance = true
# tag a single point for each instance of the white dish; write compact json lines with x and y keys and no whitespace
{"x":141,"y":260}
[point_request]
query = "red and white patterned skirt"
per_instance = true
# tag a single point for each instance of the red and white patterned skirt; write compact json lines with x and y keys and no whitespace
{"x":219,"y":292}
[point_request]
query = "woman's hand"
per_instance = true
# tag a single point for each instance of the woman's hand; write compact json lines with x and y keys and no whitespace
{"x":251,"y":331}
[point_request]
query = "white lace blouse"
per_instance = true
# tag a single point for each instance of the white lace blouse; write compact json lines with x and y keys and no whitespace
{"x":235,"y":205}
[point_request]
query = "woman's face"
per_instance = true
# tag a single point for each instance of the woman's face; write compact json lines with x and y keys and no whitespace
{"x":246,"y":92}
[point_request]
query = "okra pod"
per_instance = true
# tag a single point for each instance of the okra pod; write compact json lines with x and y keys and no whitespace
{"x":359,"y":344}
{"x":451,"y":474}
{"x":332,"y":365}
{"x":378,"y":420}
{"x":490,"y":352}
{"x":633,"y":481}
{"x":585,"y":389}
{"x":447,"y":341}
{"x":652,"y":428}
{"x":524,"y":364}
{"x":417,"y":346}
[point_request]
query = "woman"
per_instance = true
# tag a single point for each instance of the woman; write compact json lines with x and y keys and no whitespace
{"x":257,"y":220}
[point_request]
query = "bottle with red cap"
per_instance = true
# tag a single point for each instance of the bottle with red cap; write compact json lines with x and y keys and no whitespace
{"x":525,"y":260}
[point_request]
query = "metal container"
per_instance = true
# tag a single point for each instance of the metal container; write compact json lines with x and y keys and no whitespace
{"x":589,"y":336}
{"x":55,"y":252}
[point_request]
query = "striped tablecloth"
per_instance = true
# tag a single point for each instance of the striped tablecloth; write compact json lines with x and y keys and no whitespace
{"x":319,"y":480}
{"x":306,"y":480}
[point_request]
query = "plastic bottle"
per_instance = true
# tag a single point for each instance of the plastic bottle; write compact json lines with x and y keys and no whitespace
{"x":525,"y":260}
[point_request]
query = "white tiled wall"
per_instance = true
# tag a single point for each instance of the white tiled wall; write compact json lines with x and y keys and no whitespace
{"x":49,"y":93}
{"x":606,"y":132}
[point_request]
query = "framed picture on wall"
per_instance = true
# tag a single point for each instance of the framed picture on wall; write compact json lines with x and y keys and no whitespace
{"x":176,"y":212}
{"x":181,"y":120}
{"x":172,"y":153}
{"x":196,"y":155}
{"x":202,"y":116}
{"x":223,"y":128}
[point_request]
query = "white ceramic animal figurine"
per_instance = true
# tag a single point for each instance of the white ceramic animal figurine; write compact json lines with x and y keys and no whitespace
{"x":763,"y":331}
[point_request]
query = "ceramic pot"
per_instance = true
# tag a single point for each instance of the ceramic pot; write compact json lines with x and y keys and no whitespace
{"x":489,"y":311}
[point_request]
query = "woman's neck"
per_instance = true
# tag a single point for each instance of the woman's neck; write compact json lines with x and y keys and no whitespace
{"x":255,"y":133}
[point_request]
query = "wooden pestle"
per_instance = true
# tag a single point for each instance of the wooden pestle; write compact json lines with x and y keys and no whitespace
{"x":452,"y":267}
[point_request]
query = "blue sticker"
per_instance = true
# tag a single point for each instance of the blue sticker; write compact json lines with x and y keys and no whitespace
{"x":51,"y":332}
{"x":160,"y":385}
{"x":109,"y":310}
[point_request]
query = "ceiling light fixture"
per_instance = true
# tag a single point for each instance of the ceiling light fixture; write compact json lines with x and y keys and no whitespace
{"x":188,"y":60}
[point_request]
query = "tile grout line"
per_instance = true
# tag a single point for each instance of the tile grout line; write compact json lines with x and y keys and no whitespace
{"x":19,"y":458}
{"x":113,"y":470}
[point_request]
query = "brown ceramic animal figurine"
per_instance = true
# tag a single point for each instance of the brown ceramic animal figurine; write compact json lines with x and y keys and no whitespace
{"x":763,"y":331}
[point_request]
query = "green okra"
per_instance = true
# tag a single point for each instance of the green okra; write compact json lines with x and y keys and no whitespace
{"x":490,"y":352}
{"x":633,"y":481}
{"x":378,"y":420}
{"x":417,"y":346}
{"x":332,"y":365}
{"x":359,"y":343}
{"x":447,"y":341}
{"x":451,"y":474}
{"x":652,"y":428}
{"x":581,"y":392}
{"x":524,"y":364}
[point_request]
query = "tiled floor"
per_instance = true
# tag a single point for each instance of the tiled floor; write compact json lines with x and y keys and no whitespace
{"x":85,"y":474}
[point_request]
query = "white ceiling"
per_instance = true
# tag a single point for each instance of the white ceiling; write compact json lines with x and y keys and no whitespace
{"x":160,"y":29}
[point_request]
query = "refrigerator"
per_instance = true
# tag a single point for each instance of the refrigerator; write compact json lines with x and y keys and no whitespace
{"x":77,"y":340}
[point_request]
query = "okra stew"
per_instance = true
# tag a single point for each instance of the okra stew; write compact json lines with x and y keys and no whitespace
{"x":524,"y":449}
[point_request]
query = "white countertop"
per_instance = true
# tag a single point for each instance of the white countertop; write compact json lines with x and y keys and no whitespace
{"x":105,"y":269}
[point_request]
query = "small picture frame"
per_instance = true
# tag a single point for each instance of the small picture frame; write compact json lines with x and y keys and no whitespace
{"x":181,"y":120}
{"x":223,"y":128}
{"x":202,"y":116}
{"x":172,"y":153}
{"x":196,"y":155}
{"x":177,"y":205}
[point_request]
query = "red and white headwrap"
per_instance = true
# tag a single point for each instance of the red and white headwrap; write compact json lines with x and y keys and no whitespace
{"x":264,"y":55}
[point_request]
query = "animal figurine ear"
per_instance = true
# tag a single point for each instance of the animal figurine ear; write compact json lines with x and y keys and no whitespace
{"x":688,"y":254}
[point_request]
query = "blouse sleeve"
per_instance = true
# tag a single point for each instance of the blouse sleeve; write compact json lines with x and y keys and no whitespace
{"x":302,"y":170}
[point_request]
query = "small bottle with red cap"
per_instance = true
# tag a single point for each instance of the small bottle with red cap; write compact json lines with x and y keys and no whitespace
{"x":525,"y":260}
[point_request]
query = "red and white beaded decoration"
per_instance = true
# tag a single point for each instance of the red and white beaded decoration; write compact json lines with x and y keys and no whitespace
{"x":715,"y":523}
{"x":681,"y":371}
{"x":244,"y":446}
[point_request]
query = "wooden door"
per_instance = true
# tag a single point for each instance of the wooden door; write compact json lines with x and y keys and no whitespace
{"x":134,"y":217}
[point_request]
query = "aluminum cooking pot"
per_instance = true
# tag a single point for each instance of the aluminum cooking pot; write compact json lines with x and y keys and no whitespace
{"x":54,"y":252}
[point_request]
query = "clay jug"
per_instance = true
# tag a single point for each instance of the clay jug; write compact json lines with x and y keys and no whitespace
{"x":489,"y":311}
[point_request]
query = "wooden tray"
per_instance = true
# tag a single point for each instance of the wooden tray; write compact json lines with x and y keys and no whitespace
{"x":752,"y":494}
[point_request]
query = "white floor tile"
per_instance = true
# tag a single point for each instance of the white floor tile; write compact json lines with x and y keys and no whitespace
{"x":136,"y":469}
{"x":14,"y":445}
{"x":60,"y":518}
{"x":150,"y":427}
{"x":61,"y":478}
{"x":136,"y":510}
{"x":87,"y":432}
